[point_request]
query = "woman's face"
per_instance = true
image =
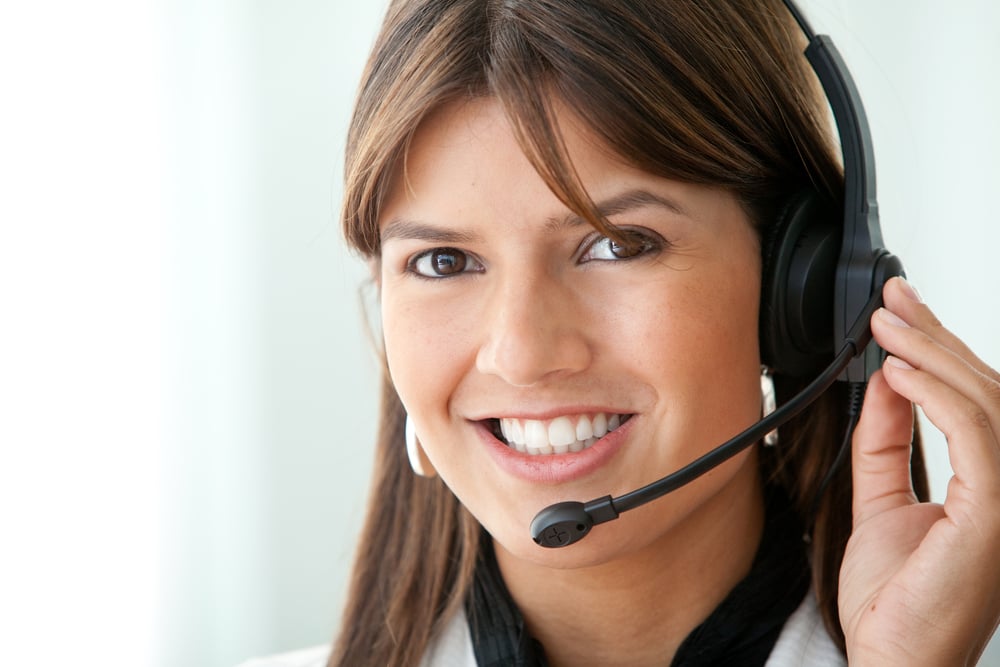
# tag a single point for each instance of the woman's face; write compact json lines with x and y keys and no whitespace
{"x":541,"y":362}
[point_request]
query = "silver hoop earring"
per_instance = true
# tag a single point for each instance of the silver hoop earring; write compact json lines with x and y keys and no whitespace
{"x":419,"y":462}
{"x":769,"y":403}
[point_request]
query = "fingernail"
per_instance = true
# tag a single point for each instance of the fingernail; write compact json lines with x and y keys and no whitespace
{"x":891,"y":318}
{"x":910,"y":291}
{"x":898,"y":363}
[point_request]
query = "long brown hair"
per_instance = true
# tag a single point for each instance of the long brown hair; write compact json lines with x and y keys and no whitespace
{"x":705,"y":91}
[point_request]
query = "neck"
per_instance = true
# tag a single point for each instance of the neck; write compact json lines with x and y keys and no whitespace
{"x":636,"y":609}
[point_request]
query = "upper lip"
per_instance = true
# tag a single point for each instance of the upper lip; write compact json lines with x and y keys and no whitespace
{"x":549,"y":413}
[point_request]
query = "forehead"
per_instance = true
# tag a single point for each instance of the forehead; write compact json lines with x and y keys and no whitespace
{"x":468,"y":150}
{"x":465,"y":165}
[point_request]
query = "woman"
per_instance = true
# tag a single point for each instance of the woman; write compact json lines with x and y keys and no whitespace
{"x":567,"y":205}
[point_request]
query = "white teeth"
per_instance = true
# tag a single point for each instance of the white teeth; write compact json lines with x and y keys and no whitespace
{"x":561,"y":432}
{"x":513,"y":432}
{"x":560,"y":435}
{"x":535,"y":434}
{"x":600,"y":425}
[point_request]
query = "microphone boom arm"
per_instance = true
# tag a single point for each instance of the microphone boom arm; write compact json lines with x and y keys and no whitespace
{"x":567,"y":522}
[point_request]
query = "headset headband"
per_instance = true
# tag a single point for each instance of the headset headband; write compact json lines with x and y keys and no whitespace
{"x":862,"y":244}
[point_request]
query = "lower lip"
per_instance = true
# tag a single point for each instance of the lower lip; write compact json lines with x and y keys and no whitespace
{"x":554,"y":468}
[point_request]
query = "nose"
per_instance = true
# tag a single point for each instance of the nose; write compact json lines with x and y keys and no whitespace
{"x":535,"y":330}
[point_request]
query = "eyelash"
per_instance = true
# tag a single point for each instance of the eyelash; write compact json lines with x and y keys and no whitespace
{"x":646,"y":243}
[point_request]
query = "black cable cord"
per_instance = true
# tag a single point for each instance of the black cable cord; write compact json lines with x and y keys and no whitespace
{"x":856,"y":397}
{"x":570,"y":521}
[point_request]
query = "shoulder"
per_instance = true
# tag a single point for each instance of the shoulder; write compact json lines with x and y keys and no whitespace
{"x":805,"y":641}
{"x":451,"y":648}
{"x":309,"y":657}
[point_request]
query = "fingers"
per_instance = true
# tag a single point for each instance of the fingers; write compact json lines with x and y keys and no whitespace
{"x":903,"y":301}
{"x":881,"y":452}
{"x":958,"y":392}
{"x":972,"y":443}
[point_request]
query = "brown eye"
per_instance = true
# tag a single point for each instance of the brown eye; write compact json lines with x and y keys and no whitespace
{"x":608,"y":250}
{"x":443,"y":263}
{"x":622,"y":251}
{"x":447,"y":262}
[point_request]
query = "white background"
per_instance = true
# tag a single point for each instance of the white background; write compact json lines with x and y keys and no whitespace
{"x":187,"y":396}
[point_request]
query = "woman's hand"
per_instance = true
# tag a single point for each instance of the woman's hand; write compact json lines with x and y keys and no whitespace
{"x":920,"y":582}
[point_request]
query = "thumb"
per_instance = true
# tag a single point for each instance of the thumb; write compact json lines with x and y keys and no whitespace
{"x":881,"y":452}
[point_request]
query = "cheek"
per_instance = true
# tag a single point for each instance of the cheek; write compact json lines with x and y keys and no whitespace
{"x":698,"y":346}
{"x":728,"y":304}
{"x":425,"y":350}
{"x":409,"y":351}
{"x":706,"y":324}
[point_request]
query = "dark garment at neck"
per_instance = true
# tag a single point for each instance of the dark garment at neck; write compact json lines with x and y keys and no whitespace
{"x":740,"y":632}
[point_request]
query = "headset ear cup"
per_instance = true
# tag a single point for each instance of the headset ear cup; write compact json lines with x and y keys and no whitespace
{"x":799,"y":265}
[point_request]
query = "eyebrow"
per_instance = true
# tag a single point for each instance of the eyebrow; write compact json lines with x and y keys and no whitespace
{"x":400,"y":228}
{"x":621,"y":203}
{"x":419,"y":231}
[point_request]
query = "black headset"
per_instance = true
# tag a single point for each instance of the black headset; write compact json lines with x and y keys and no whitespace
{"x":821,"y":285}
{"x":818,"y":275}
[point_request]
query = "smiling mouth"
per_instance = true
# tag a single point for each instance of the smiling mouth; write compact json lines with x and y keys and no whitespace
{"x":561,"y":435}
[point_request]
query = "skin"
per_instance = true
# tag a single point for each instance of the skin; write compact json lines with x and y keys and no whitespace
{"x":544,"y":321}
